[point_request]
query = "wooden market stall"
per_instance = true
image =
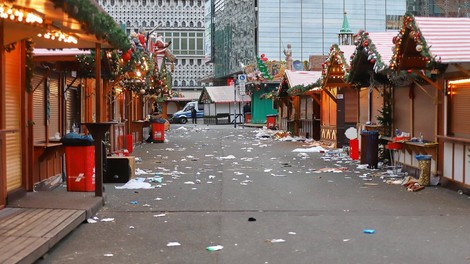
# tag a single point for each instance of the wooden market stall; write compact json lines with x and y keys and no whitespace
{"x":23,"y":151}
{"x":339,"y":102}
{"x":434,"y":54}
{"x":303,"y":117}
{"x":435,"y":51}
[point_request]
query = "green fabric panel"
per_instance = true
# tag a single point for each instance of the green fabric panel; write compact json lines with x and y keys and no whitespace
{"x":261,"y":107}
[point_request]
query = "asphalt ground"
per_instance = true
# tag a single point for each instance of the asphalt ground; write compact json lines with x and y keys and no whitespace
{"x":300,"y":215}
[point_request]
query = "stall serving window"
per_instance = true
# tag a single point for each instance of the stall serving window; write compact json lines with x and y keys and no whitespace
{"x":458,"y":107}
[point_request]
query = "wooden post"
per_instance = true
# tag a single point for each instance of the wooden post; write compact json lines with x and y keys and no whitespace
{"x":98,"y":94}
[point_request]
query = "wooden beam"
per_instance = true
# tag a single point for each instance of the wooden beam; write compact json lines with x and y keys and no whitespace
{"x":462,"y":69}
{"x":330,"y":95}
{"x":431,"y":82}
{"x":98,"y":99}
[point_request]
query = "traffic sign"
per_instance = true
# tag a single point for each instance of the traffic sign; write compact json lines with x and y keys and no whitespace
{"x":242,"y":77}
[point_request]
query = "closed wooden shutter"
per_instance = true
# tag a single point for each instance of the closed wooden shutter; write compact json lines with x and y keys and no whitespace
{"x":38,"y":83}
{"x":13,"y":112}
{"x":54,"y":121}
{"x":459,"y":110}
{"x":350,"y":106}
{"x":402,"y":109}
{"x":72,"y":100}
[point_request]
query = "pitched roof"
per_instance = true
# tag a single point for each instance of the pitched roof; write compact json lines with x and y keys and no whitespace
{"x":426,"y":42}
{"x":223,"y":94}
{"x":304,"y":78}
{"x":448,"y":38}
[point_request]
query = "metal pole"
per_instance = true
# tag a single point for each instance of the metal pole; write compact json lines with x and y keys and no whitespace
{"x":234,"y":103}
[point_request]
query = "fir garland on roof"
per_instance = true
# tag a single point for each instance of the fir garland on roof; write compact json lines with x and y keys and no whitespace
{"x":336,"y":57}
{"x":95,"y":21}
{"x":302,"y":89}
{"x":409,"y":29}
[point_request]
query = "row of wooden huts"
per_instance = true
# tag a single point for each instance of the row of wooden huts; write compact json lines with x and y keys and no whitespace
{"x":415,"y":80}
{"x":43,"y":95}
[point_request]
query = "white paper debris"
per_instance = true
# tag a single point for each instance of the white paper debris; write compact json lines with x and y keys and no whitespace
{"x":173,"y":244}
{"x":137,"y":183}
{"x":107,"y":220}
{"x":159,"y":215}
{"x":312,"y":149}
{"x":277,"y":240}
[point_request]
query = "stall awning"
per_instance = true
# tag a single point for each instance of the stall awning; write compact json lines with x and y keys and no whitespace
{"x":221,"y":94}
{"x":86,"y":28}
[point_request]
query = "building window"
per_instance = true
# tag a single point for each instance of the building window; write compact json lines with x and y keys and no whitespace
{"x":183,"y":83}
{"x":191,"y":83}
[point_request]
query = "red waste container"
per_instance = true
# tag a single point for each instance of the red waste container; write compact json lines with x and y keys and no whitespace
{"x":158,"y":132}
{"x":354,"y":149}
{"x":80,"y":168}
{"x":271,"y":121}
{"x":247,"y":118}
{"x":130,"y":144}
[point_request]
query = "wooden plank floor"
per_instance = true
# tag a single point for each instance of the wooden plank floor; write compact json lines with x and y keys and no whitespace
{"x":27,"y":234}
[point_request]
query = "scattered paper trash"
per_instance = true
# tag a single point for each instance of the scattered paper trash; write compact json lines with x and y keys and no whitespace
{"x":159,"y":215}
{"x":214,"y":248}
{"x":107,"y":220}
{"x":134,"y":202}
{"x":292,"y":233}
{"x":137,"y":183}
{"x":173,"y":244}
{"x":346,"y":240}
{"x":91,"y":221}
{"x":131,"y":227}
{"x":108,"y":255}
{"x":276,"y":240}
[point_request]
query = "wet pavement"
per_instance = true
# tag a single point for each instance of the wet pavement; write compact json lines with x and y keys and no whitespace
{"x":264,"y":203}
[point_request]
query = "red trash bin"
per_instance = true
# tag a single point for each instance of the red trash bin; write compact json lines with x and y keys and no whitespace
{"x":354,"y":149}
{"x":158,"y":132}
{"x":80,"y":168}
{"x":130,"y":143}
{"x":247,"y":118}
{"x":271,"y":121}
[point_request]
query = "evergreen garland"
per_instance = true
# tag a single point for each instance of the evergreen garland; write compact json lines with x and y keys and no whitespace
{"x":94,"y":21}
{"x":29,"y":66}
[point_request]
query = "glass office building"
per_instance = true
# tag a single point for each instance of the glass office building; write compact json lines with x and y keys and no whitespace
{"x":243,"y":29}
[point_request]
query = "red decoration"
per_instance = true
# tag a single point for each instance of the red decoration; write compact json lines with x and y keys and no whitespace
{"x":126,"y":56}
{"x":366,"y":43}
{"x":263,"y":57}
{"x":394,"y":40}
{"x":372,"y":61}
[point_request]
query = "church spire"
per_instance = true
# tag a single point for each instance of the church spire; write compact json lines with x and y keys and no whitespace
{"x":345,"y":34}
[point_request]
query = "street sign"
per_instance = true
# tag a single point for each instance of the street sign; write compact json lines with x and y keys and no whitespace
{"x":241,"y":88}
{"x":242,"y":78}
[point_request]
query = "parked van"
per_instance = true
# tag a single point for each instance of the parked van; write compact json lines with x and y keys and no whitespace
{"x":184,"y":114}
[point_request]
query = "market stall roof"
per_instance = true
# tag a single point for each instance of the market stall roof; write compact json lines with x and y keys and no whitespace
{"x":221,"y":94}
{"x":185,"y":96}
{"x":424,"y":42}
{"x":300,"y":82}
{"x":84,"y":20}
{"x":336,"y":66}
{"x":371,"y":57}
{"x":304,"y":78}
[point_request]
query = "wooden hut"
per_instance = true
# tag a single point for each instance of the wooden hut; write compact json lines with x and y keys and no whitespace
{"x":339,"y":102}
{"x":435,"y":54}
{"x":25,"y":157}
{"x":302,"y":117}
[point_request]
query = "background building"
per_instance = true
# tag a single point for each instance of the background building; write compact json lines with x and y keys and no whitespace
{"x":243,"y":29}
{"x":445,"y":8}
{"x":179,"y":21}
